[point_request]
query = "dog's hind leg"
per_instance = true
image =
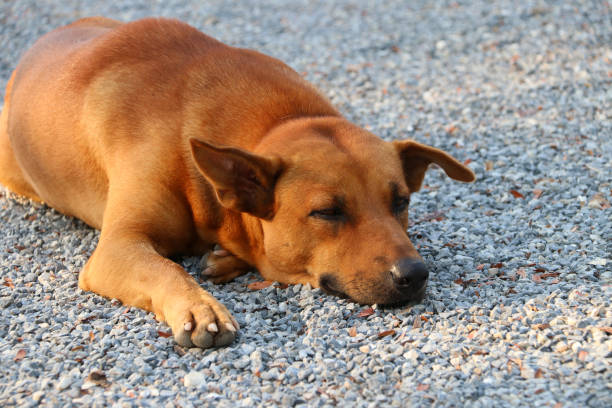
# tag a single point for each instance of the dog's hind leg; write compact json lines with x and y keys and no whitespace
{"x":11,"y":175}
{"x":223,"y":266}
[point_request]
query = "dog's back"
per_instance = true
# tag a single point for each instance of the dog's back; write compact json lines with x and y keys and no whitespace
{"x":149,"y":85}
{"x":41,"y":99}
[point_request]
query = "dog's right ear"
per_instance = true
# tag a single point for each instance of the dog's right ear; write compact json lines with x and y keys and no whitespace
{"x":243,"y":181}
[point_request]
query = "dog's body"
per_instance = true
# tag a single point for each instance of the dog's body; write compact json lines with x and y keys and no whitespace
{"x":171,"y":142}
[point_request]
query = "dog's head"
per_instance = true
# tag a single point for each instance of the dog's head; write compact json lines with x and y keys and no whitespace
{"x":331,"y":205}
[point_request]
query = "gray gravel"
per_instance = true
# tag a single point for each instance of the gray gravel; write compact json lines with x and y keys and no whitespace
{"x":519,"y":298}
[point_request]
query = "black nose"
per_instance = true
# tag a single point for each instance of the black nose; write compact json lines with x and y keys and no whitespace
{"x":409,"y":275}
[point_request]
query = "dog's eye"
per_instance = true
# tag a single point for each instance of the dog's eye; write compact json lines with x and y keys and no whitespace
{"x":328,"y":214}
{"x":400,"y":204}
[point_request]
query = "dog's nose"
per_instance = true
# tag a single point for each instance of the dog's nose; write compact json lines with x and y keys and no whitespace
{"x":409,"y":274}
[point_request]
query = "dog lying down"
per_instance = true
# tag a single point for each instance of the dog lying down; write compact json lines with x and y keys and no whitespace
{"x":171,"y":142}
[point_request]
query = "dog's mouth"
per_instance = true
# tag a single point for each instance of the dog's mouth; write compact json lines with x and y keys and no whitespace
{"x":402,"y":300}
{"x":329,"y":285}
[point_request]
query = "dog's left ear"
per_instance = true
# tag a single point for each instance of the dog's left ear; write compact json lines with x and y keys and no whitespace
{"x":416,"y":157}
{"x":243,"y":181}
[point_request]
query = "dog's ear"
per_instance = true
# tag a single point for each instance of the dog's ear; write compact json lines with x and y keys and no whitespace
{"x":417,"y":157}
{"x":243,"y":181}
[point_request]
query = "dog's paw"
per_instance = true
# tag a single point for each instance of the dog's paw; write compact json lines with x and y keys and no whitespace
{"x":222,"y":266}
{"x":199,"y":320}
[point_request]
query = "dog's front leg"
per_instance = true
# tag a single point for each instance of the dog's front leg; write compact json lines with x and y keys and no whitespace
{"x":126,"y":266}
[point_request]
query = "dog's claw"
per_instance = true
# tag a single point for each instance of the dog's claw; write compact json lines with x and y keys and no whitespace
{"x":183,"y":338}
{"x":221,"y":252}
{"x":236,"y":325}
{"x":212,"y":328}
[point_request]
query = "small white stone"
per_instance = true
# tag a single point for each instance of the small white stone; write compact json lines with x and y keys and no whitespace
{"x":429,"y":347}
{"x":194,"y":379}
{"x":557,"y":321}
{"x":527,"y":372}
{"x":594,"y":312}
{"x":429,"y":96}
{"x":242,"y":362}
{"x":247,"y":348}
{"x":561,"y":347}
{"x":599,"y":262}
{"x":64,"y":382}
{"x":412,"y":355}
{"x":37,"y":396}
{"x":456,"y":362}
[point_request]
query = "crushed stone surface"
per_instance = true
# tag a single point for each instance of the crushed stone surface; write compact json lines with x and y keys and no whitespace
{"x":518,"y":309}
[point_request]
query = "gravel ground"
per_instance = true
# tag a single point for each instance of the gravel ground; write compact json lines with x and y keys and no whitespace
{"x":518,"y":307}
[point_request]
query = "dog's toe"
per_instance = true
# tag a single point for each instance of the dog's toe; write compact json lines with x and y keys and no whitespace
{"x":202,"y":338}
{"x":201,"y":322}
{"x":182,"y":331}
{"x":209,"y":271}
{"x":206,"y":327}
{"x":224,"y":338}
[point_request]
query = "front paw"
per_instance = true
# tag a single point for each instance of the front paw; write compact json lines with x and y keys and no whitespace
{"x":198,"y":319}
{"x":222,"y":266}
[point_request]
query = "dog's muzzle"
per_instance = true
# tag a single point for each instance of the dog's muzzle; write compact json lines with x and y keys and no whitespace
{"x":405,"y":282}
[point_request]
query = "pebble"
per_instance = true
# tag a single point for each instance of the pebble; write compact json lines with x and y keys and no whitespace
{"x":37,"y":395}
{"x":194,"y":379}
{"x":412,"y":355}
{"x":64,"y":382}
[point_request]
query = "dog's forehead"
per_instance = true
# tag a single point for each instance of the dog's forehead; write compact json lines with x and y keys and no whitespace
{"x":357,"y":151}
{"x":332,"y":151}
{"x":364,"y":164}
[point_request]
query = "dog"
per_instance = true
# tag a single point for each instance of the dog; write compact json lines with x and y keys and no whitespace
{"x":171,"y":142}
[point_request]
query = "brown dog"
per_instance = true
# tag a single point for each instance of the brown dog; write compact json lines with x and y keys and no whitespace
{"x":171,"y":142}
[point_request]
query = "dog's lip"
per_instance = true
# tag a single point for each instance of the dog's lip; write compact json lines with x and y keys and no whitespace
{"x":404,"y":302}
{"x":334,"y":292}
{"x":413,"y":299}
{"x":325,"y":286}
{"x":397,"y":299}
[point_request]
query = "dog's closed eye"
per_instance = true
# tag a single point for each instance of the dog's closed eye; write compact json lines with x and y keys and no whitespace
{"x":400,"y":204}
{"x":329,"y":214}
